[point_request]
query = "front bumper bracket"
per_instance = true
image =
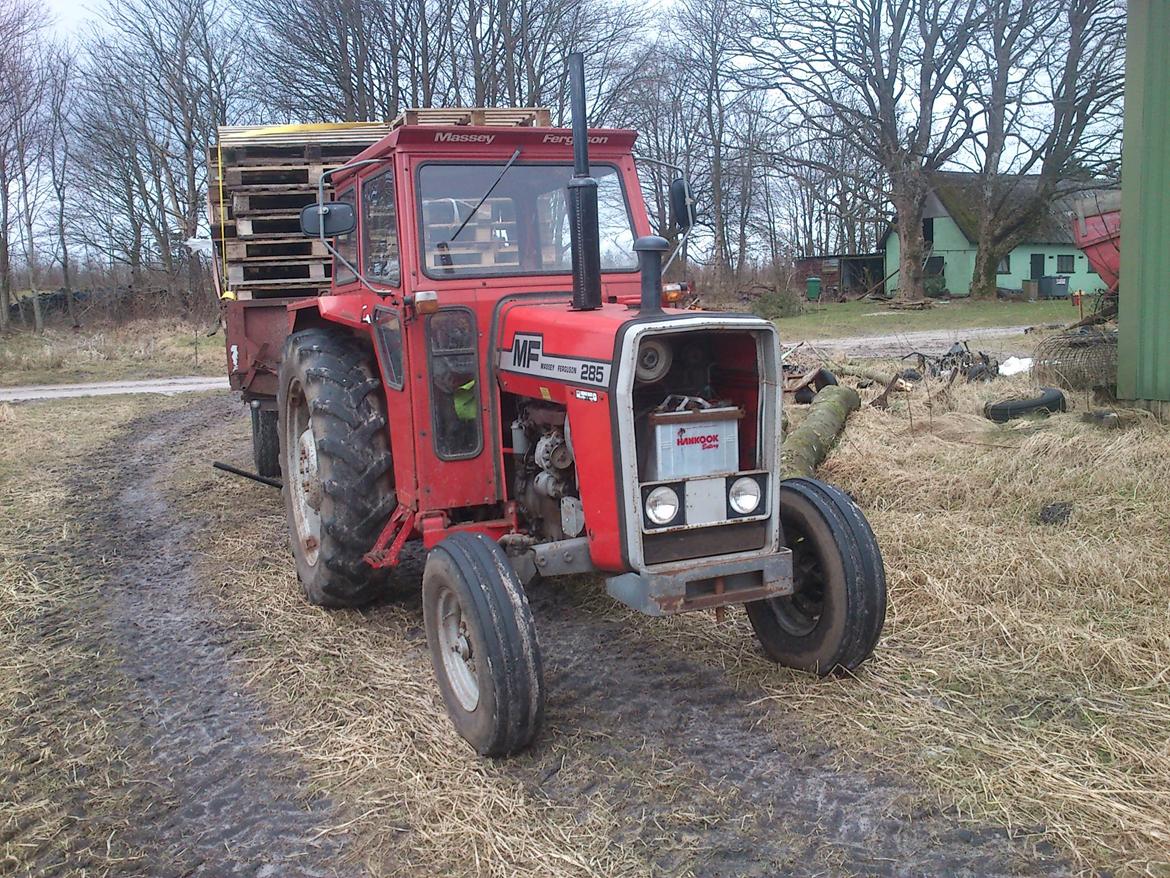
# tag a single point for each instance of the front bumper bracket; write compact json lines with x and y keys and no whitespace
{"x":701,"y":586}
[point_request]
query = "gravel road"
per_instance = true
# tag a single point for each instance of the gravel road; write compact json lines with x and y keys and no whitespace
{"x":166,"y":386}
{"x":897,"y":344}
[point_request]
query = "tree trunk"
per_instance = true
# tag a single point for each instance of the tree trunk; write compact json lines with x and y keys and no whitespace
{"x":807,"y":445}
{"x":911,"y":248}
{"x":984,"y":280}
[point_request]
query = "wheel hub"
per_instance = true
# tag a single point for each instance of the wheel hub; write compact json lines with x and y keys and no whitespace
{"x":305,"y":489}
{"x":458,"y":651}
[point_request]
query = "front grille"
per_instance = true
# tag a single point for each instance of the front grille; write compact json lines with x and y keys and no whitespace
{"x":704,"y":542}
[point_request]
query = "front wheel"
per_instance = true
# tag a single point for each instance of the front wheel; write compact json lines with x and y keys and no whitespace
{"x":836,"y":612}
{"x":483,"y":644}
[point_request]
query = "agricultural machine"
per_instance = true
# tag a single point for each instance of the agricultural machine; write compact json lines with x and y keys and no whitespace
{"x":490,"y":370}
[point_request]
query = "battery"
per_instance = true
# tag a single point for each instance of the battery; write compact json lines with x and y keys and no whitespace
{"x":693,"y":441}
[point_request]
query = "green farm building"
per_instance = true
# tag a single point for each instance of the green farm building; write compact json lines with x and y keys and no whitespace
{"x":949,"y":226}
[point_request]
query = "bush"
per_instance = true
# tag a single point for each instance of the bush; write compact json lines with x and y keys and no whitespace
{"x":775,"y":304}
{"x":935,"y":287}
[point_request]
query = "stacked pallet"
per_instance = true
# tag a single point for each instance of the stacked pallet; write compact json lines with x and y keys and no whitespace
{"x":261,"y":176}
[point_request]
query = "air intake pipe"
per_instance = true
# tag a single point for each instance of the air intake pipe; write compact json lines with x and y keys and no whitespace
{"x":584,"y":238}
{"x":650,"y":249}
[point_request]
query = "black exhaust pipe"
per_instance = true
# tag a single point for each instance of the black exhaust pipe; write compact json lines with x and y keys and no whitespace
{"x":584,"y":239}
{"x":650,"y":249}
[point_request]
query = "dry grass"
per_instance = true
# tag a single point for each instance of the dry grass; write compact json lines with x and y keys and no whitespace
{"x":1022,"y":675}
{"x":1024,"y":672}
{"x":137,"y":349}
{"x":69,"y":781}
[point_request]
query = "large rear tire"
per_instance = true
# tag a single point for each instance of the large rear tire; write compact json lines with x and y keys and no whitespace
{"x":338,"y":481}
{"x":483,"y":644}
{"x":834,"y":618}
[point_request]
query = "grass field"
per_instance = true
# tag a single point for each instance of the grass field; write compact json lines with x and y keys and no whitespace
{"x":137,"y":349}
{"x":834,"y":320}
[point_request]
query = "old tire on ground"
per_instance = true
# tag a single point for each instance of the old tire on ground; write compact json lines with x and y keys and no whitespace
{"x":824,"y":378}
{"x":835,"y":616}
{"x":483,"y":644}
{"x":338,"y":482}
{"x":265,"y":442}
{"x":1050,"y":401}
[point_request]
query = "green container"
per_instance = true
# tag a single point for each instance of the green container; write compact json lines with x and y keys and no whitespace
{"x":814,"y":288}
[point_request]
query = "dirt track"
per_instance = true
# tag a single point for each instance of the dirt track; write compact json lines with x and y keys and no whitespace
{"x":722,"y":786}
{"x":227,"y":804}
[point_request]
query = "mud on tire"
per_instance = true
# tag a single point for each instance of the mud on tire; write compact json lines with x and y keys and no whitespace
{"x":338,"y":481}
{"x":483,"y":644}
{"x":834,"y":618}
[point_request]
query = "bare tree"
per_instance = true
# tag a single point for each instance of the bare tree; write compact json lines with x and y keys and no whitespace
{"x":1051,"y":89}
{"x":20,"y":30}
{"x":62,"y":97}
{"x":893,"y":73}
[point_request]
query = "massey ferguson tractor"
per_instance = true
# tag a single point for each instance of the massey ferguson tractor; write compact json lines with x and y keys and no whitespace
{"x":489,"y":369}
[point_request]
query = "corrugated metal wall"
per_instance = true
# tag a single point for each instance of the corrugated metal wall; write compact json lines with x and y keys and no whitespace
{"x":1144,"y":340}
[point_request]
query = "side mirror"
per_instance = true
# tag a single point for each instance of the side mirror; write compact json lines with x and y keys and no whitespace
{"x":339,"y":219}
{"x":682,"y":207}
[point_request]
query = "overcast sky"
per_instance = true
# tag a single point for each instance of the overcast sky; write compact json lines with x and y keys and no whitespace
{"x":71,"y":15}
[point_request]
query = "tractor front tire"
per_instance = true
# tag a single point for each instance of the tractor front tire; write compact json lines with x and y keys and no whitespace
{"x":338,"y":481}
{"x":265,"y":442}
{"x":834,"y":617}
{"x":483,"y":644}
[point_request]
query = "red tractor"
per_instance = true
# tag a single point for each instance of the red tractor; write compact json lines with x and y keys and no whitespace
{"x":492,"y":372}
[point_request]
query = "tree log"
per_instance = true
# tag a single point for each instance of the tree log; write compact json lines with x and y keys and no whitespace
{"x":806,"y":446}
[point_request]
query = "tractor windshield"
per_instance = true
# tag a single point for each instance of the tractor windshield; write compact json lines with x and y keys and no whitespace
{"x":522,"y":228}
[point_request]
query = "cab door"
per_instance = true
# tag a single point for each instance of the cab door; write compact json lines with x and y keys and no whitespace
{"x":382,"y":267}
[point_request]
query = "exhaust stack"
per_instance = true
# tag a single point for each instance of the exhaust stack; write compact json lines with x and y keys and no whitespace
{"x":584,"y":239}
{"x":650,"y":249}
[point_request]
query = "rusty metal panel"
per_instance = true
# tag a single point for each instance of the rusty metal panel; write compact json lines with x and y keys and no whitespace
{"x":1144,"y":326}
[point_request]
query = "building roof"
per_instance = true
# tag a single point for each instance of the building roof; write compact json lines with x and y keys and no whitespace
{"x":959,"y":193}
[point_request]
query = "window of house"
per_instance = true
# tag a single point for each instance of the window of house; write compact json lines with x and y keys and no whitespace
{"x":380,"y":229}
{"x":928,"y":231}
{"x":346,"y":245}
{"x":935,"y":266}
{"x":1005,"y":265}
{"x":455,"y":408}
{"x":1065,"y":264}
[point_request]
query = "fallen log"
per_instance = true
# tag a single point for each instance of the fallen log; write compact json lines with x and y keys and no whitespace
{"x":806,"y":446}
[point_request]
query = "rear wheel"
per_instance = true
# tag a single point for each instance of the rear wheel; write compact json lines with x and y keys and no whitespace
{"x":265,"y":442}
{"x":835,"y":615}
{"x":483,"y":644}
{"x":338,"y":489}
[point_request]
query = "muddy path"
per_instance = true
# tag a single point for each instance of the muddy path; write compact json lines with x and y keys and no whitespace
{"x":223,"y":802}
{"x":702,"y":779}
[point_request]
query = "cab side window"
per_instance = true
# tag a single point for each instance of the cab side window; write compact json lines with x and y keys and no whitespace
{"x":455,"y":407}
{"x":346,"y":245}
{"x":380,"y":228}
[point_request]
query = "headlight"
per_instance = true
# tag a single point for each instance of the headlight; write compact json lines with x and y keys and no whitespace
{"x":744,"y":496}
{"x":662,"y":505}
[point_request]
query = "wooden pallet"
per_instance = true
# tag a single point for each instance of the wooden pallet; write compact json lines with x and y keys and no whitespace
{"x":270,"y":172}
{"x":241,"y":249}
